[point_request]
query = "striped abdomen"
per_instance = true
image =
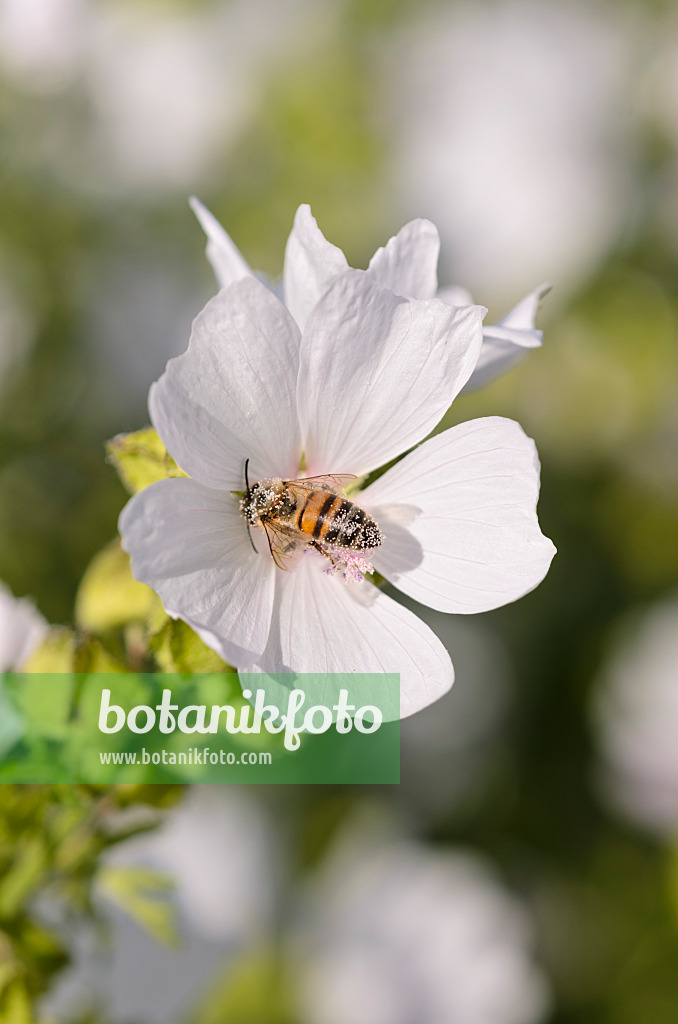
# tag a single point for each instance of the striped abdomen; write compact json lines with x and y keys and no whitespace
{"x":336,"y":521}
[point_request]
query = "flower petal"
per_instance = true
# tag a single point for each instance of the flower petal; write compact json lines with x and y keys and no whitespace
{"x":22,"y":629}
{"x":523,"y":315}
{"x":455,"y":295}
{"x":232,"y":395}
{"x":189,"y":544}
{"x":227,"y":261}
{"x":408,"y":263}
{"x":378,"y":371}
{"x":323,"y":625}
{"x":507,"y":343}
{"x":459,"y":518}
{"x":311,"y":264}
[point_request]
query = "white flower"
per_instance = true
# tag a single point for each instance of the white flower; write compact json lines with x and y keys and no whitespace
{"x":22,"y":628}
{"x":406,"y":265}
{"x":399,"y":933}
{"x":369,"y":378}
{"x":637,"y":720}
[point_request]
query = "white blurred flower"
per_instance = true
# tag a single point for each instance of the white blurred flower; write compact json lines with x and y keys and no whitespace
{"x":40,"y":41}
{"x":171,"y":91}
{"x":369,"y":378}
{"x":511,"y":131}
{"x":160,"y":95}
{"x":160,"y":92}
{"x":22,"y":627}
{"x":659,"y":101}
{"x":402,"y":933}
{"x":406,"y":265}
{"x":140,"y":305}
{"x":218,"y":848}
{"x":636,"y":717}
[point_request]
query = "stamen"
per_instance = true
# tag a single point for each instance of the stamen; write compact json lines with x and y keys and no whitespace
{"x":352,"y":566}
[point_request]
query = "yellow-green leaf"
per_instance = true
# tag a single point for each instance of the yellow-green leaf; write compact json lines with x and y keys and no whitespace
{"x":142,"y":893}
{"x":22,"y":878}
{"x":56,"y":653}
{"x":109,"y":595}
{"x":141,"y":459}
{"x":16,"y":1006}
{"x":178,"y":649}
{"x":63,"y":651}
{"x":257,"y":989}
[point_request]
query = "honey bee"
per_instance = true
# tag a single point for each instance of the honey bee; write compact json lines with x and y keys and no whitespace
{"x":308,"y":513}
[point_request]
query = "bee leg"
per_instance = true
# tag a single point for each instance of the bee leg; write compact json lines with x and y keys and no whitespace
{"x":318,"y":547}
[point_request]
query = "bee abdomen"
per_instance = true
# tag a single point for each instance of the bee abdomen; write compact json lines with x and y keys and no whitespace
{"x":334,"y":520}
{"x":351,"y":527}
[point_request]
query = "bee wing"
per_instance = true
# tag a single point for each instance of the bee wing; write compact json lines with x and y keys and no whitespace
{"x":326,"y":482}
{"x":286,"y":544}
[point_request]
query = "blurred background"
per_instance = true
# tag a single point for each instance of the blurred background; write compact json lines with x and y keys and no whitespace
{"x":526,"y":869}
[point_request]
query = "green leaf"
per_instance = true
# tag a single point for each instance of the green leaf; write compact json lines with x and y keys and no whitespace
{"x":108,"y":595}
{"x":46,"y":699}
{"x":8,"y":968}
{"x":178,"y":649}
{"x":16,"y":1006}
{"x":92,"y":656}
{"x":257,"y":989}
{"x":63,"y":651}
{"x":56,"y":653}
{"x":141,"y":459}
{"x":142,"y":893}
{"x":23,"y":877}
{"x":11,"y":722}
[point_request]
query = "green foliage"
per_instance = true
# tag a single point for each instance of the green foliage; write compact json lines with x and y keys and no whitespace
{"x":64,"y":650}
{"x":141,"y":893}
{"x":51,"y":842}
{"x":257,"y":989}
{"x":121,"y":627}
{"x":141,"y":459}
{"x":46,"y":699}
{"x":177,"y":648}
{"x":16,"y":1005}
{"x":108,"y":595}
{"x":56,"y":653}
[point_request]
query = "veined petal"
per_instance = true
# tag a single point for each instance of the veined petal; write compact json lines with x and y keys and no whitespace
{"x":189,"y":544}
{"x":459,"y":518}
{"x":408,"y":263}
{"x":232,"y":395}
{"x":322,"y":625}
{"x":311,"y":264}
{"x":228,"y":263}
{"x":378,"y":371}
{"x":508,"y":342}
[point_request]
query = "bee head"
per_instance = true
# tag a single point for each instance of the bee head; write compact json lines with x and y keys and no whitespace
{"x":260,"y":499}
